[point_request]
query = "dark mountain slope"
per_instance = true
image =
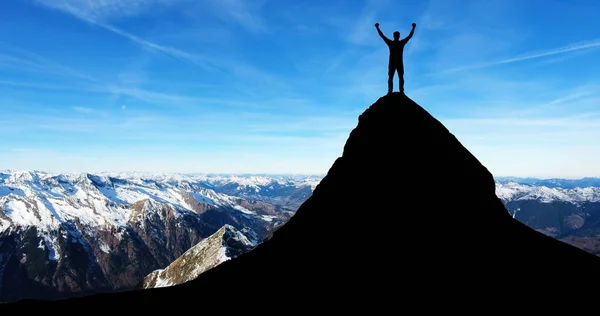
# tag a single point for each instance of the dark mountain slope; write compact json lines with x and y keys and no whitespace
{"x":354,"y":245}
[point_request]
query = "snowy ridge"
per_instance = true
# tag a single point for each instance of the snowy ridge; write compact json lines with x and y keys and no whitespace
{"x":45,"y":200}
{"x":245,"y":181}
{"x":554,"y":182}
{"x":511,"y":191}
{"x":227,"y":243}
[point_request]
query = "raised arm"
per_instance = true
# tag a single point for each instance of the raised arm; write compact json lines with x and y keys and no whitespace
{"x":385,"y":39}
{"x":410,"y":35}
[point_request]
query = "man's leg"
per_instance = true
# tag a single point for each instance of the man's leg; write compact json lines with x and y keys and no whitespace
{"x":401,"y":78}
{"x":391,"y":71}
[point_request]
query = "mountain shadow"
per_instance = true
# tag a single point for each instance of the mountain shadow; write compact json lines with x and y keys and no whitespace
{"x":406,"y":216}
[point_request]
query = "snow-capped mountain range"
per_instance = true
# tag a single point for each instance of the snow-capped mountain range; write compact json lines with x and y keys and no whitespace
{"x":45,"y":200}
{"x":68,"y":234}
{"x":512,"y":191}
{"x":254,"y":181}
{"x":553,"y":182}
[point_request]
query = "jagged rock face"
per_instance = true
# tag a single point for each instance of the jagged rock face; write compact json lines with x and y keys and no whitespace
{"x":128,"y":258}
{"x":227,"y":243}
{"x":153,"y":238}
{"x":197,"y":206}
{"x":66,"y":236}
{"x":107,"y":259}
{"x":30,"y":271}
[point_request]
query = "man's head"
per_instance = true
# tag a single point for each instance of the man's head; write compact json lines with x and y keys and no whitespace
{"x":396,"y":35}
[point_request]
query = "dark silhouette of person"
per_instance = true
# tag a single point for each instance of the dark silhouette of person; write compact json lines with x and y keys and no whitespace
{"x":396,"y":51}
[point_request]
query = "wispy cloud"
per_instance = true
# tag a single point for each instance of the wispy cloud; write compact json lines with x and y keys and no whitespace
{"x":356,"y":27}
{"x":362,"y":32}
{"x":67,"y":124}
{"x":245,"y":13}
{"x":152,"y":97}
{"x":37,"y":63}
{"x":240,"y":11}
{"x":76,"y":80}
{"x":88,"y":16}
{"x":39,"y":85}
{"x":22,"y":59}
{"x":533,"y":55}
{"x":561,"y":58}
{"x":107,"y":10}
{"x":579,"y":99}
{"x":576,"y":95}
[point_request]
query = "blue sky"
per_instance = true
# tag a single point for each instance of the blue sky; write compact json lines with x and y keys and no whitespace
{"x":268,"y":86}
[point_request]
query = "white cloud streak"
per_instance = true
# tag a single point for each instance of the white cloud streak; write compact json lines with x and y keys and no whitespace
{"x":236,"y":67}
{"x":561,"y":50}
{"x":36,"y":62}
{"x":245,"y":13}
{"x":77,"y":12}
{"x":106,"y":10}
{"x":32,"y":62}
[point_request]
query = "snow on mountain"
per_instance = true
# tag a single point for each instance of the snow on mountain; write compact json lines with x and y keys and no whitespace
{"x":100,"y":196}
{"x":227,"y":243}
{"x":45,"y":201}
{"x":116,"y":228}
{"x":511,"y":191}
{"x":554,"y":182}
{"x":255,"y":182}
{"x":285,"y":190}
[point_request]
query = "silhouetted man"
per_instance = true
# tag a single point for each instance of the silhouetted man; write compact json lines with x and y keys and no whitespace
{"x":396,"y":51}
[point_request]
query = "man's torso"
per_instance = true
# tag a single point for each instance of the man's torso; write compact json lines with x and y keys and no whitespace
{"x":396,"y":52}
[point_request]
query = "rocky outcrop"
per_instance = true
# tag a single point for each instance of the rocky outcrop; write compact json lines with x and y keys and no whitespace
{"x":30,"y":270}
{"x":227,"y":243}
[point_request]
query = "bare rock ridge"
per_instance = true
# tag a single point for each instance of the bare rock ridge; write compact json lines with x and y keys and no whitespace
{"x":415,"y":239}
{"x":227,"y":243}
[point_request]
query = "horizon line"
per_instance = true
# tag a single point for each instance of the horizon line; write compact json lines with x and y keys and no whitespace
{"x":168,"y":172}
{"x":192,"y":173}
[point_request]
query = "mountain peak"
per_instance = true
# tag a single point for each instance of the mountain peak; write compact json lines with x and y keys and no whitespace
{"x":23,"y":176}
